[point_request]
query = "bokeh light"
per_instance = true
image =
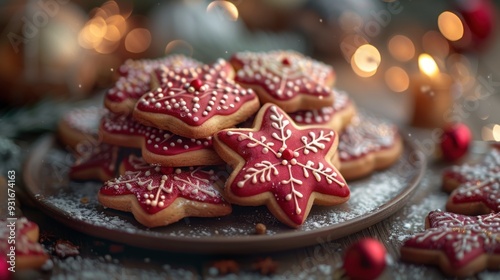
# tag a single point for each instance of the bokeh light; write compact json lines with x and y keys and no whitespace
{"x":435,"y":44}
{"x":179,"y":46}
{"x":401,"y":48}
{"x":224,"y":9}
{"x":106,"y":28}
{"x":138,"y":40}
{"x":491,"y":132}
{"x":360,"y":72}
{"x":350,"y":44}
{"x":366,"y":59}
{"x":450,"y":26}
{"x":496,"y":132}
{"x":397,"y":79}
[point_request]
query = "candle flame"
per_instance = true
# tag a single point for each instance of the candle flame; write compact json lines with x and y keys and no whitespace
{"x":428,"y":65}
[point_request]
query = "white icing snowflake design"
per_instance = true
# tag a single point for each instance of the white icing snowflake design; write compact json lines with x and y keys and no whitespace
{"x":196,"y":94}
{"x":461,"y":238}
{"x":364,"y":135}
{"x":156,"y":190}
{"x":288,"y":161}
{"x":284,"y":74}
{"x":479,"y":183}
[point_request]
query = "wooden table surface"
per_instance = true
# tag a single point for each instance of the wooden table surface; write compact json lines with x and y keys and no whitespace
{"x":101,"y":259}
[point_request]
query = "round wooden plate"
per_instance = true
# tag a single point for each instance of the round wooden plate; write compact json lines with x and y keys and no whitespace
{"x":75,"y":204}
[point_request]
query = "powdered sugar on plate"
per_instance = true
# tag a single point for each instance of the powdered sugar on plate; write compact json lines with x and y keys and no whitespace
{"x":76,"y":202}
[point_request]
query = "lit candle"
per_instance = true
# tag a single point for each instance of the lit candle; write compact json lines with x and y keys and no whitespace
{"x":431,"y":94}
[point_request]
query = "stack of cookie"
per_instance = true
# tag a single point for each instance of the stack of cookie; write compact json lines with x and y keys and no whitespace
{"x":195,"y":151}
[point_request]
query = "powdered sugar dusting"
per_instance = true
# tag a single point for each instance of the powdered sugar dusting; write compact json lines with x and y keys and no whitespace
{"x":412,"y":218}
{"x":102,"y":268}
{"x":77,"y":203}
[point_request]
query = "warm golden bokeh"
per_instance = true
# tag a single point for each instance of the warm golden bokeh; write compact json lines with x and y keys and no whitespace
{"x":434,"y":43}
{"x":350,"y":44}
{"x":179,"y":46}
{"x":496,"y":132}
{"x":138,"y":40}
{"x":366,"y":59}
{"x":401,"y":48}
{"x":223,"y":9}
{"x":451,"y":26}
{"x":105,"y":29}
{"x":360,"y":72}
{"x":397,"y":79}
{"x":491,"y":132}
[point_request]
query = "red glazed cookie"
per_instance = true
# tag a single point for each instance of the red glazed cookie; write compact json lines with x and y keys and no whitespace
{"x":133,"y":163}
{"x":157,"y":198}
{"x":158,"y":146}
{"x":286,"y":167}
{"x":198,"y":102}
{"x":460,"y":245}
{"x":28,"y":252}
{"x":95,"y":162}
{"x":286,"y":78}
{"x":79,"y":125}
{"x":137,"y":78}
{"x":475,"y":188}
{"x":337,"y":116}
{"x":368,"y":144}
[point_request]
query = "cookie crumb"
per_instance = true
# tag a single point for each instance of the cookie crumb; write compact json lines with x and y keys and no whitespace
{"x":226,"y":266}
{"x":65,"y":248}
{"x":265,"y":266}
{"x":84,"y":200}
{"x":260,"y":229}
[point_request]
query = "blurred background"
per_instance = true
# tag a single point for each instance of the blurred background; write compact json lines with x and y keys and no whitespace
{"x":56,"y":52}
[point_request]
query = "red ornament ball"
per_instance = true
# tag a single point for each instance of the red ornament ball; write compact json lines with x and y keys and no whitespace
{"x":365,"y":259}
{"x":455,"y":141}
{"x":479,"y":21}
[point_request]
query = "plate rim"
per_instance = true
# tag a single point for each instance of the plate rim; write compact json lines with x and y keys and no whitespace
{"x":213,"y":244}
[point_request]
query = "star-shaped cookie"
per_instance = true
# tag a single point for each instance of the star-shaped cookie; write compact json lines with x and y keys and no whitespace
{"x":366,"y":145}
{"x":28,"y":252}
{"x":336,"y":116}
{"x":79,"y":125}
{"x":197,"y":102}
{"x":95,"y":161}
{"x":287,"y":78}
{"x":460,"y":245}
{"x":158,"y":146}
{"x":157,"y":198}
{"x":475,"y":189}
{"x":278,"y":164}
{"x":137,"y":78}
